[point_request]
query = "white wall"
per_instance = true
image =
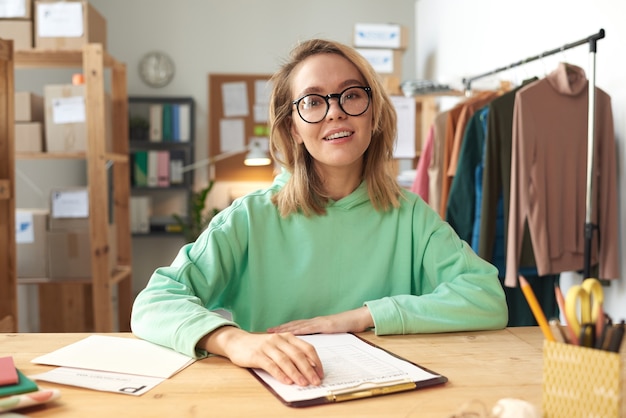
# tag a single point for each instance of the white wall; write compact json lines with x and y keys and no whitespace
{"x":206,"y":36}
{"x":461,"y":38}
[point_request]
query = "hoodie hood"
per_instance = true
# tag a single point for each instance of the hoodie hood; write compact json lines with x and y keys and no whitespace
{"x":357,"y":197}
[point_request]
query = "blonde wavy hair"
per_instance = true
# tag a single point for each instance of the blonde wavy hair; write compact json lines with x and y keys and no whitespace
{"x":304,"y":190}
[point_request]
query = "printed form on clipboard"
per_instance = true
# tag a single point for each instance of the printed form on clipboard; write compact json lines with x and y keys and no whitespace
{"x":353,"y":369}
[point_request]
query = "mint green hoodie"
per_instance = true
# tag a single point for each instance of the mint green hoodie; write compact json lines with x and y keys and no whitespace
{"x":407,"y":265}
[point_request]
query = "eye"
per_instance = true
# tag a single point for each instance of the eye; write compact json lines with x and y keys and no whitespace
{"x":311,"y":101}
{"x":352,"y":94}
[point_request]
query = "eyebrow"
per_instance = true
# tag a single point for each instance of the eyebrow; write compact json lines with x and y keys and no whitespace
{"x":342,"y":85}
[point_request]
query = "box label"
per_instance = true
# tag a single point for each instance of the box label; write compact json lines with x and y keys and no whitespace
{"x":68,"y":110}
{"x":12,"y":8}
{"x":377,"y":35}
{"x":24,"y":228}
{"x":380,"y":59}
{"x":60,"y":20}
{"x":70,"y":204}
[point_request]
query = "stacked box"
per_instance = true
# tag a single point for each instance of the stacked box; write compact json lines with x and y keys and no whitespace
{"x":65,"y":118}
{"x":31,"y":226}
{"x":383,"y":46}
{"x":69,"y":249}
{"x":68,"y":24}
{"x":16,"y":23}
{"x":28,"y":122}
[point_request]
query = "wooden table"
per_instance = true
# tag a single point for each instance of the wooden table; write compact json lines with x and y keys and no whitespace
{"x":485,"y":366}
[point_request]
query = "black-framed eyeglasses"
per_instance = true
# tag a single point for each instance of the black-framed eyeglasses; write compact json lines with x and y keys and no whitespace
{"x":353,"y":101}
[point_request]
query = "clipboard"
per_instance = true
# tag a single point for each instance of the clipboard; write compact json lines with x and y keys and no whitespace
{"x":386,"y":373}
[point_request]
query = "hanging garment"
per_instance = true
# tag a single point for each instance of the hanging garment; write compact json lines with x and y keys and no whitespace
{"x":458,"y":118}
{"x":435,"y":169}
{"x":420,"y":184}
{"x":496,"y":181}
{"x":460,"y":210}
{"x":548,"y":176}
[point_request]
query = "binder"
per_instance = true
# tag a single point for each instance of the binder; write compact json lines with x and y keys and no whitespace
{"x":140,"y":168}
{"x":153,"y":167}
{"x":166,"y":130}
{"x":393,"y":374}
{"x":156,"y":121}
{"x":163,"y":168}
{"x":184,"y":122}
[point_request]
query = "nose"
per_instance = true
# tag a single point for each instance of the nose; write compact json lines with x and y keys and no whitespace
{"x":334,"y":109}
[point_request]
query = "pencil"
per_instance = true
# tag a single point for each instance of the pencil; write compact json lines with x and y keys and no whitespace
{"x":560,"y":300}
{"x":536,"y":309}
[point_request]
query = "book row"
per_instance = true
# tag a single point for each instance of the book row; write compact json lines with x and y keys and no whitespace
{"x":170,"y":122}
{"x":157,"y":168}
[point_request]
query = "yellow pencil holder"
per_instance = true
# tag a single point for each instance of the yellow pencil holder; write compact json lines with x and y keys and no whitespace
{"x":581,"y":382}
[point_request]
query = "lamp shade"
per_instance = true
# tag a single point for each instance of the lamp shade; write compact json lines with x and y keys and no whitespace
{"x":257,"y":156}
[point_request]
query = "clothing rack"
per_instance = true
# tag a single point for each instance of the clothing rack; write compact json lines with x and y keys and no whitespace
{"x":592,"y":41}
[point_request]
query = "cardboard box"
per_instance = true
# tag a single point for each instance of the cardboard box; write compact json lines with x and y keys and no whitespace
{"x":380,"y":35}
{"x":29,"y":137}
{"x":69,"y":253}
{"x":28,"y":106}
{"x":385,"y":61}
{"x":31,"y":227}
{"x":17,"y":9}
{"x":68,"y":24}
{"x":21,"y":31}
{"x":65,"y":118}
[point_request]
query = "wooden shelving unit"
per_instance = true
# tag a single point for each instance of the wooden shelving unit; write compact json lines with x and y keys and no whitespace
{"x":8,"y":270}
{"x":85,"y":305}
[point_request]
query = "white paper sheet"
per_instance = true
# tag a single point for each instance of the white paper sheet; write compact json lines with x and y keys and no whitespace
{"x":235,"y":99}
{"x":128,"y":384}
{"x":12,"y":8}
{"x":68,"y":110}
{"x":60,"y":20}
{"x":118,"y":355}
{"x":70,"y":204}
{"x":349,"y":363}
{"x":232,"y":135}
{"x":405,"y":143}
{"x":24,"y":229}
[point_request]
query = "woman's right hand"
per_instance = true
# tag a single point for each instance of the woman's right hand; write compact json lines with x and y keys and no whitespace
{"x":284,"y":356}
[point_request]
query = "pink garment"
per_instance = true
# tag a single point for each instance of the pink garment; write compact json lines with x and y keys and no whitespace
{"x":435,"y":169}
{"x":548,"y":177}
{"x":421,"y":182}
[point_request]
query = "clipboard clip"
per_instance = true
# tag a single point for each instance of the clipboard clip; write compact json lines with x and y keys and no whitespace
{"x":370,"y":389}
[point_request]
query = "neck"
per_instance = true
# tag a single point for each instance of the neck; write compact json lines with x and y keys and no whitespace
{"x":339,"y":183}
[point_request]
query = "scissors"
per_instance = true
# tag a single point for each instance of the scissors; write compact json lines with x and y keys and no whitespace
{"x":590,"y":296}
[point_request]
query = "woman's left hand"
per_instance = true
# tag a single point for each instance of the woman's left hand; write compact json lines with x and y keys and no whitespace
{"x":356,"y":320}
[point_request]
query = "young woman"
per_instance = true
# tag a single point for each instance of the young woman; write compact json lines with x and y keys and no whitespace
{"x":334,"y":245}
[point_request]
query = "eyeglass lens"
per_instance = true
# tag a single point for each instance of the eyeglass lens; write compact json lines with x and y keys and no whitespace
{"x":353,"y":101}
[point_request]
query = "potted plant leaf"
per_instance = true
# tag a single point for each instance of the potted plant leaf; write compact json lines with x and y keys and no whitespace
{"x":199,"y":216}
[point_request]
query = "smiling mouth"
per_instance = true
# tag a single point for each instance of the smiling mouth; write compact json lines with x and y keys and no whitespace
{"x":338,"y":135}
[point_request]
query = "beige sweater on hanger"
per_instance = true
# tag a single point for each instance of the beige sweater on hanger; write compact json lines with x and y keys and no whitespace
{"x":548,"y":176}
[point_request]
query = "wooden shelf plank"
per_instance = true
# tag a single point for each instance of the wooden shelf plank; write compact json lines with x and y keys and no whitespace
{"x":40,"y":58}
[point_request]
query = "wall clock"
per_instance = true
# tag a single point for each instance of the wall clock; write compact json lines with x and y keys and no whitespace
{"x":156,"y":69}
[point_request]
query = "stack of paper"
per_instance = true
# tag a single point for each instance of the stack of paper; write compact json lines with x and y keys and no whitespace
{"x":112,"y":364}
{"x":17,"y":390}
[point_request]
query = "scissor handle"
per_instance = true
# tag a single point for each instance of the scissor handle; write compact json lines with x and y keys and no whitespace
{"x":577,"y":294}
{"x":596,"y":293}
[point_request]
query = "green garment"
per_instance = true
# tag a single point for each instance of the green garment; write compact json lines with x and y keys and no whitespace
{"x":406,"y":264}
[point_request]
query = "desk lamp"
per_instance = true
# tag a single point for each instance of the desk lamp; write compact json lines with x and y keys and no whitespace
{"x":256,"y":156}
